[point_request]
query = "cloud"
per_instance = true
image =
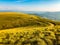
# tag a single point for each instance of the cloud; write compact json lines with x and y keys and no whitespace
{"x":53,"y":7}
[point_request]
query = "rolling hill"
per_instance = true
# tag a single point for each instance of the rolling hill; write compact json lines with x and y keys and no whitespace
{"x":26,"y":29}
{"x":50,"y":15}
{"x":14,"y":19}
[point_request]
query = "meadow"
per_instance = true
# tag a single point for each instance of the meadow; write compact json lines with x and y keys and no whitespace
{"x":26,"y":29}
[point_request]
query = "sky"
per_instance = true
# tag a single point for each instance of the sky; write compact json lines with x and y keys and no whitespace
{"x":30,"y":5}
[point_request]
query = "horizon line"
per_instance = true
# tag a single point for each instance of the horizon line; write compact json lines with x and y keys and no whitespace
{"x":24,"y":10}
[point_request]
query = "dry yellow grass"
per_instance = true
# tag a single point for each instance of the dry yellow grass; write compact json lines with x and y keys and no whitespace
{"x":27,"y":16}
{"x":28,"y":33}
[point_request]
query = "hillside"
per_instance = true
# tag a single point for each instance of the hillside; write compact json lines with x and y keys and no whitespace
{"x":26,"y":29}
{"x":50,"y":15}
{"x":14,"y":19}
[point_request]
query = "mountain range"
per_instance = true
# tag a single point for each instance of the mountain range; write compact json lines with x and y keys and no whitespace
{"x":49,"y":15}
{"x":44,"y":14}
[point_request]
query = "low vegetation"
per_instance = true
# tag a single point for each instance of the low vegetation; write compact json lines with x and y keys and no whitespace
{"x":34,"y":37}
{"x":28,"y":30}
{"x":13,"y":20}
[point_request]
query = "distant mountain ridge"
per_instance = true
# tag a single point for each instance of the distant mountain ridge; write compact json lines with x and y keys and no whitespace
{"x":45,"y":14}
{"x":49,"y":15}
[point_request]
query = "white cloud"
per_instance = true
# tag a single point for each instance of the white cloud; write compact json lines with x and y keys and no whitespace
{"x":55,"y":7}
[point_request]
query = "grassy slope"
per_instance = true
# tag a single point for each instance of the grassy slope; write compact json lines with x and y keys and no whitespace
{"x":13,"y":20}
{"x":10,"y":20}
{"x":35,"y":25}
{"x":23,"y":21}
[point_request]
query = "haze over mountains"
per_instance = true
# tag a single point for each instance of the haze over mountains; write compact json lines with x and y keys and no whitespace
{"x":49,"y":15}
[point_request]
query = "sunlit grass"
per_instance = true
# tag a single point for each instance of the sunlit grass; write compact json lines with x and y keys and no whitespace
{"x":26,"y":29}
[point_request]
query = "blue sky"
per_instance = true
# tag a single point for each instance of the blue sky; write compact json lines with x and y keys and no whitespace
{"x":30,"y":5}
